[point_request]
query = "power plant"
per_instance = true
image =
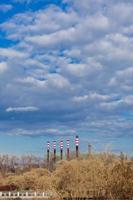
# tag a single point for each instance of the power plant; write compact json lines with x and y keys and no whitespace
{"x":61,"y":146}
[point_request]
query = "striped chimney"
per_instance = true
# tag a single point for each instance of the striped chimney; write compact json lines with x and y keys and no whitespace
{"x":68,"y":151}
{"x":77,"y":146}
{"x":48,"y":152}
{"x":54,"y":148}
{"x":61,"y":149}
{"x":48,"y":146}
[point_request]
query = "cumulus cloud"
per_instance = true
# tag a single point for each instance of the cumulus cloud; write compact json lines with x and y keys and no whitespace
{"x":73,"y":61}
{"x":91,"y":96}
{"x":3,"y":67}
{"x":129,"y":100}
{"x":123,"y":78}
{"x":11,"y":53}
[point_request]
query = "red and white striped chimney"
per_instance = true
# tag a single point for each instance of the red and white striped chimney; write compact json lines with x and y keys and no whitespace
{"x":77,"y":146}
{"x":68,"y":151}
{"x":61,"y":149}
{"x":54,"y":149}
{"x":48,"y":152}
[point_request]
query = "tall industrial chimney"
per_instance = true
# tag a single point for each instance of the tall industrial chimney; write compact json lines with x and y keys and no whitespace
{"x":48,"y":152}
{"x":68,"y":152}
{"x":77,"y":146}
{"x":61,"y":149}
{"x":54,"y":149}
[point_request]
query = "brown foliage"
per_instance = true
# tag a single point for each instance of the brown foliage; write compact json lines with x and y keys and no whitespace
{"x":99,"y":175}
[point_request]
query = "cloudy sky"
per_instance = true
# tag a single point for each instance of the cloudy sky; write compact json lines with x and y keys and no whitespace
{"x":66,"y":68}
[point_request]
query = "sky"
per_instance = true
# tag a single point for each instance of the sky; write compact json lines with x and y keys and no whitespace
{"x":66,"y":69}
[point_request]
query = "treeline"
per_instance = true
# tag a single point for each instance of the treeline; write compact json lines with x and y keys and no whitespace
{"x":101,"y":175}
{"x":15,"y":165}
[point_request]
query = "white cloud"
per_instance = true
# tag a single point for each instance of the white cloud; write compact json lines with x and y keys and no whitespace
{"x":3,"y":67}
{"x":92,"y":96}
{"x":54,"y":39}
{"x":25,"y":1}
{"x":125,"y":73}
{"x":56,"y":80}
{"x":11,"y":53}
{"x":111,"y":105}
{"x":123,"y":78}
{"x":80,"y":98}
{"x":51,"y":81}
{"x":129,"y":100}
{"x":5,"y":7}
{"x":75,"y":62}
{"x":126,"y":9}
{"x":22,"y":109}
{"x":44,"y":131}
{"x":32,"y":81}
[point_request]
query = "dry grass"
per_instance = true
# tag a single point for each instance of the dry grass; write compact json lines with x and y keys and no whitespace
{"x":105,"y":174}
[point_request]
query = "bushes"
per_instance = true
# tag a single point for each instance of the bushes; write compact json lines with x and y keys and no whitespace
{"x":36,"y":179}
{"x":121,"y":180}
{"x":78,"y":177}
{"x":104,"y":174}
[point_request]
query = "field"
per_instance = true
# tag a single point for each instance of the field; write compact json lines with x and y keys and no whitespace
{"x":102,"y":175}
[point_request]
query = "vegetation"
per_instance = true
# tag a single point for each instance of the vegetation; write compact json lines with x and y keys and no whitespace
{"x":104,"y":175}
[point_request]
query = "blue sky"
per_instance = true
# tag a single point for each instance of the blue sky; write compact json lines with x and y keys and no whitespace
{"x":66,"y":68}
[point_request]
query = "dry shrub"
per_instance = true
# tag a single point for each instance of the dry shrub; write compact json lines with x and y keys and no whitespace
{"x":36,"y":179}
{"x":103,"y":175}
{"x":121,"y":180}
{"x":78,"y":177}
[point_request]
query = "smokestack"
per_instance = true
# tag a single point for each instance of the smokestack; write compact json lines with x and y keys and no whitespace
{"x":68,"y":152}
{"x":48,"y":152}
{"x":54,"y":148}
{"x":61,"y":149}
{"x":77,"y":146}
